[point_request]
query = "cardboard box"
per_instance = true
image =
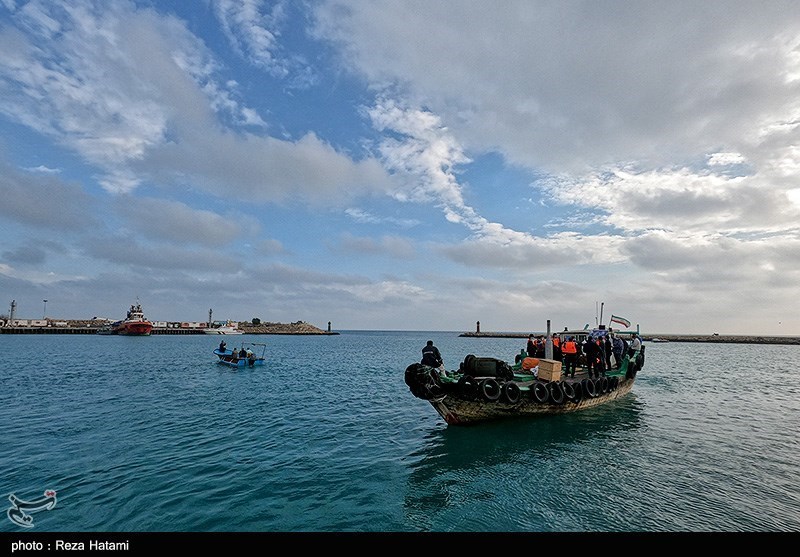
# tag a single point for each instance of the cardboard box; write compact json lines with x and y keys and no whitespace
{"x":549,"y":370}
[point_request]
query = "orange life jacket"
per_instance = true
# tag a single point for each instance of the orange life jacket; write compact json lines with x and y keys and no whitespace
{"x":570,"y":347}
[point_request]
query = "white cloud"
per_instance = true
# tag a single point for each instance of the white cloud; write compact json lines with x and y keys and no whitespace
{"x":134,"y":93}
{"x":250,"y":26}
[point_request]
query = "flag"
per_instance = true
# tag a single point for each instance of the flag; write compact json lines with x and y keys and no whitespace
{"x":621,"y":320}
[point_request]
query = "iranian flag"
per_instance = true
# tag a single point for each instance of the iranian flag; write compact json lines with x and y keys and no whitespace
{"x":621,"y":320}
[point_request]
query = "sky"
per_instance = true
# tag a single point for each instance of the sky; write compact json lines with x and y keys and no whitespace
{"x":403,"y":164}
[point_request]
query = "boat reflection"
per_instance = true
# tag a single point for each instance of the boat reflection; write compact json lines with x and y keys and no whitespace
{"x":460,"y":465}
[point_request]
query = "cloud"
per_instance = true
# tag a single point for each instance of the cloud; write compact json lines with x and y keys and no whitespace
{"x":128,"y":252}
{"x":570,"y":86}
{"x":251,"y":27}
{"x":26,"y":255}
{"x":138,"y":96}
{"x":44,"y":201}
{"x":391,"y":246}
{"x":175,"y":222}
{"x":365,"y":217}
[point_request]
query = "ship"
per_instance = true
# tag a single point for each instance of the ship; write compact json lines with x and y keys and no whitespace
{"x":135,"y":324}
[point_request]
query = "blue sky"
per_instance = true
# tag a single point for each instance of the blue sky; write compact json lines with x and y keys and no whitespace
{"x":406,"y":165}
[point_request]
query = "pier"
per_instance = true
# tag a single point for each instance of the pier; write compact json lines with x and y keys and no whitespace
{"x":713,"y":338}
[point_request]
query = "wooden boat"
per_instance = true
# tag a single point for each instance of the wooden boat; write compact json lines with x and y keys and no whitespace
{"x":489,"y":389}
{"x":232,"y":358}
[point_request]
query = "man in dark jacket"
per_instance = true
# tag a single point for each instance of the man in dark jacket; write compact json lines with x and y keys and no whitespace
{"x":592,"y":351}
{"x":431,"y":356}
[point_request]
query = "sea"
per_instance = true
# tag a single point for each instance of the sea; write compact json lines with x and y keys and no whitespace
{"x":151,"y":434}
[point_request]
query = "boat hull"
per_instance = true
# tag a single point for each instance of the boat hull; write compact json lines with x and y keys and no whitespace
{"x":458,"y":411}
{"x":223,"y":332}
{"x":227,"y":358}
{"x":136,"y":328}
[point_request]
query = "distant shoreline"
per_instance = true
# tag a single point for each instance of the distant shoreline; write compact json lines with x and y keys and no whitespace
{"x":90,"y":327}
{"x":729,"y":339}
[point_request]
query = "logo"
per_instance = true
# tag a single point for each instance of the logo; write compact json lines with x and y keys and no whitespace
{"x":16,"y":513}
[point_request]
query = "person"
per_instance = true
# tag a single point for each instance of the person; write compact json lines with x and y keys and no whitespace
{"x":431,"y":356}
{"x":570,"y":353}
{"x":222,"y":346}
{"x":636,"y":344}
{"x":592,"y":351}
{"x":609,"y":348}
{"x":557,"y":347}
{"x":242,"y":352}
{"x":601,"y":356}
{"x":618,"y":349}
{"x":531,"y":347}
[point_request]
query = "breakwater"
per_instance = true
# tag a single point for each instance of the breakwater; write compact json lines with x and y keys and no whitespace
{"x":730,"y":339}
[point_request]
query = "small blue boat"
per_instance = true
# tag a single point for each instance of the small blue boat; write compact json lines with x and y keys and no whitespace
{"x":242,"y":357}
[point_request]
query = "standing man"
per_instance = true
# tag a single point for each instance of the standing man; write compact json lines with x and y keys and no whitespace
{"x":608,"y":350}
{"x":618,"y":349}
{"x":570,"y":353}
{"x":636,"y":345}
{"x":592,"y":351}
{"x":530,"y":348}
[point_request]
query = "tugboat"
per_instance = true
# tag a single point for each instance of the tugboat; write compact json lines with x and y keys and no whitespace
{"x":135,"y":324}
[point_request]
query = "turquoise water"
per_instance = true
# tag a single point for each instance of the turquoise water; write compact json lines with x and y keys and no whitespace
{"x":150,"y":434}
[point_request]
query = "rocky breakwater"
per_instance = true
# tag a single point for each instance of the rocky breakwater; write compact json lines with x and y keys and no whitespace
{"x":717,"y":338}
{"x":296,"y":328}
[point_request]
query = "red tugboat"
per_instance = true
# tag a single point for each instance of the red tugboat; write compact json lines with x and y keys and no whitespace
{"x":135,"y":324}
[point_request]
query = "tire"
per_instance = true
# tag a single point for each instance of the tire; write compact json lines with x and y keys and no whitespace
{"x":467,"y":387}
{"x":556,"y":392}
{"x":511,"y":392}
{"x":589,"y":387}
{"x":578,"y":392}
{"x":604,"y":385}
{"x":490,"y":389}
{"x":569,"y":391}
{"x":540,"y":392}
{"x":614,"y":383}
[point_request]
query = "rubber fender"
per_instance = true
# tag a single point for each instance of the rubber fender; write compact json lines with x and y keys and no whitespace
{"x":569,"y":391}
{"x":511,"y":392}
{"x":490,"y":389}
{"x":540,"y":392}
{"x":556,"y":392}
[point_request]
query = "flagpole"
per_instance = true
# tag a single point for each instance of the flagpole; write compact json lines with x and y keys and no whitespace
{"x":601,"y":313}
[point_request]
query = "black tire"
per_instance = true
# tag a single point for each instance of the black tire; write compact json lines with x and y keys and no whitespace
{"x":468,"y":387}
{"x":569,"y":391}
{"x":589,"y":387}
{"x":578,"y":392}
{"x":511,"y":392}
{"x":540,"y":392}
{"x":490,"y":389}
{"x":556,"y":392}
{"x":604,"y":385}
{"x":614,"y":383}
